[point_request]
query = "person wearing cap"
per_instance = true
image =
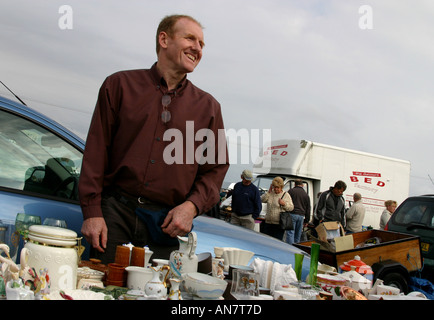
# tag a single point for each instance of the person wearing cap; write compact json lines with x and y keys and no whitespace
{"x":246,"y":201}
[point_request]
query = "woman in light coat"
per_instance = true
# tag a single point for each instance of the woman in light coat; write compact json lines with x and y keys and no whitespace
{"x":277,"y":201}
{"x":387,"y":213}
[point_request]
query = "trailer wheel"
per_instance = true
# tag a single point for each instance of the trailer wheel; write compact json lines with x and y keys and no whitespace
{"x":397,"y":280}
{"x":392,"y":273}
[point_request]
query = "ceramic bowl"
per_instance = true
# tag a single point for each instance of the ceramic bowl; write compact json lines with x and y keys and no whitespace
{"x":327,"y":281}
{"x":348,"y":293}
{"x":159,"y":262}
{"x":88,"y":273}
{"x":236,"y":256}
{"x":203,"y":285}
{"x":387,"y":290}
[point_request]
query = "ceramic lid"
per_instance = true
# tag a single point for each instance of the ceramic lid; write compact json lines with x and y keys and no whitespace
{"x":357,"y":265}
{"x":52,"y":235}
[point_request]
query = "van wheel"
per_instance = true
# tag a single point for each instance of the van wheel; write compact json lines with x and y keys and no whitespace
{"x":396,"y":280}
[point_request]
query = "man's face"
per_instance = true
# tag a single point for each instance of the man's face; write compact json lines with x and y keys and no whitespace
{"x":338,"y":192}
{"x":184,"y":48}
{"x":245,"y":182}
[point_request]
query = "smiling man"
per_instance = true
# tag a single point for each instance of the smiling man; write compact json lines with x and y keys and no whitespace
{"x":128,"y":193}
{"x":179,"y":48}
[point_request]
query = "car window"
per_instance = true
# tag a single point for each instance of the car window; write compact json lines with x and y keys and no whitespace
{"x":417,"y":211}
{"x":35,"y":160}
{"x":263,"y":183}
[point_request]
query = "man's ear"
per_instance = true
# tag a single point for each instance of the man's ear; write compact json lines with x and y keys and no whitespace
{"x":162,"y":38}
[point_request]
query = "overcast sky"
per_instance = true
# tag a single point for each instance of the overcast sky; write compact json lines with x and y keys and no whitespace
{"x":328,"y":71}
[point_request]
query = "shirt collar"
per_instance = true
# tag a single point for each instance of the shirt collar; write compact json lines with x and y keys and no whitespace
{"x":159,"y":80}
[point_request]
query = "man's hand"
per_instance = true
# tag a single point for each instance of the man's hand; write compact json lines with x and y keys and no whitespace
{"x":179,"y":220}
{"x":95,"y":232}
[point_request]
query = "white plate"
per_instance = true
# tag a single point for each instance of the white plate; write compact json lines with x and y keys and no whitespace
{"x":78,"y":294}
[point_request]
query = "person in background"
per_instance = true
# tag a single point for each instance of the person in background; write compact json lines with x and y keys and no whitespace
{"x":315,"y":220}
{"x":331,"y":204}
{"x":387,"y":213}
{"x":355,"y":215}
{"x":277,"y":201}
{"x":246,"y":201}
{"x":131,"y":190}
{"x":301,"y":212}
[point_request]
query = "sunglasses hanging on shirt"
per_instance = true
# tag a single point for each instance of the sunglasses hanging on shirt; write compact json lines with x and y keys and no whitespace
{"x":165,"y":114}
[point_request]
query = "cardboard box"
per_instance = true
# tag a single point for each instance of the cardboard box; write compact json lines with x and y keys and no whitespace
{"x":329,"y":230}
{"x":331,"y":236}
{"x":344,"y":243}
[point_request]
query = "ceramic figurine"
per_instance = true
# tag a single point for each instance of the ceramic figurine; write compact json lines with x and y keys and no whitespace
{"x":218,"y":267}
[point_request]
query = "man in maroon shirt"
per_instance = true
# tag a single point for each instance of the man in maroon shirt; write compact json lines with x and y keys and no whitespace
{"x":143,"y":150}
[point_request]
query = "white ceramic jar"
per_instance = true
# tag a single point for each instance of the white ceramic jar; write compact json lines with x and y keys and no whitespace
{"x":52,"y":253}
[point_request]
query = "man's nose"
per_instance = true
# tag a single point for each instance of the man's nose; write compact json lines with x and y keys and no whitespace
{"x":197,"y":47}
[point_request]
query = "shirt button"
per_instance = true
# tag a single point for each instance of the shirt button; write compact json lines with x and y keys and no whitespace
{"x":152,"y":161}
{"x":158,"y":139}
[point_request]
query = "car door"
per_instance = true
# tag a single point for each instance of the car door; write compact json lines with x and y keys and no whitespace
{"x":39,"y":171}
{"x":416,"y":216}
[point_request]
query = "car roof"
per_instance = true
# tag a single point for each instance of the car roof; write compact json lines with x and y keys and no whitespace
{"x":424,"y":196}
{"x":35,"y":116}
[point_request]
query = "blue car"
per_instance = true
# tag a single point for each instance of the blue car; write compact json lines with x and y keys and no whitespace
{"x":40,"y":164}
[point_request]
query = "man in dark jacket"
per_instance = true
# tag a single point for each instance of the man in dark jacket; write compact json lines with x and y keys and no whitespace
{"x":301,"y":213}
{"x":331,"y":204}
{"x":246,"y":202}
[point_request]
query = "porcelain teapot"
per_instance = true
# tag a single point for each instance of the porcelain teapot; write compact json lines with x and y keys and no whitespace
{"x":185,"y":259}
